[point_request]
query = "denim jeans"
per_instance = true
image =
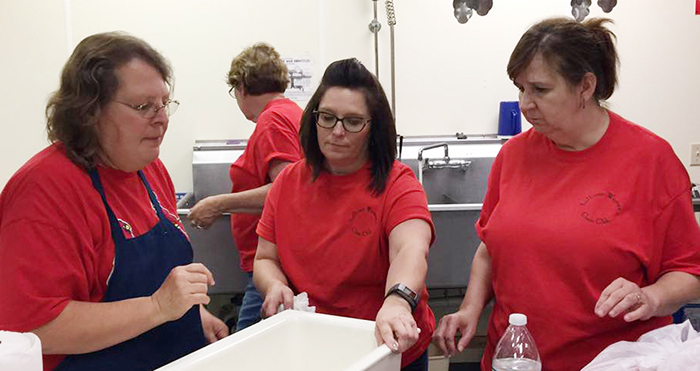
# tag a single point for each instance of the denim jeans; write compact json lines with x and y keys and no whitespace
{"x":420,"y":364}
{"x":249,"y":314}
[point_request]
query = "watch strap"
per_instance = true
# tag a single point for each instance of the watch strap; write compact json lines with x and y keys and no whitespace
{"x":406,"y":293}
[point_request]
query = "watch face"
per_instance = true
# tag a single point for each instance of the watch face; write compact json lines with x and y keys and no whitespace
{"x":408,"y":291}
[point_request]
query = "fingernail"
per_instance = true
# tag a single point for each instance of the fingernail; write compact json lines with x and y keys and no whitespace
{"x":396,"y":346}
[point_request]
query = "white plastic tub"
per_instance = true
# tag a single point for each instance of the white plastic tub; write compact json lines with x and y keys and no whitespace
{"x":292,"y":341}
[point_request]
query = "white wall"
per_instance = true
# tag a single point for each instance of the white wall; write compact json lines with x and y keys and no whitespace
{"x":32,"y":52}
{"x":449,"y":77}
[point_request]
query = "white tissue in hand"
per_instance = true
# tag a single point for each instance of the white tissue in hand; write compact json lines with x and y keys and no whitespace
{"x":301,"y":303}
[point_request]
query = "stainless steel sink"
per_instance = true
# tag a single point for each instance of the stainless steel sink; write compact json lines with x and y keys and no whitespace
{"x":455,"y":198}
{"x":455,"y":193}
{"x":214,"y":247}
{"x":449,"y":186}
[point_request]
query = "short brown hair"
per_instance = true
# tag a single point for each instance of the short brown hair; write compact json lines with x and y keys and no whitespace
{"x":259,"y":69}
{"x":573,"y":49}
{"x":88,"y":82}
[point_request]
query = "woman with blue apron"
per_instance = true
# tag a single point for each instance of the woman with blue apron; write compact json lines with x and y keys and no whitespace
{"x":141,"y":265}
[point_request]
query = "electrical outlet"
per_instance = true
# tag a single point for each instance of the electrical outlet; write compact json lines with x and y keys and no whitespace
{"x":695,"y":154}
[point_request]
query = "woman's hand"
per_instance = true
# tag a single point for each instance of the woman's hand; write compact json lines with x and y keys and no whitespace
{"x":395,"y":325}
{"x":205,"y":212}
{"x":214,"y":328}
{"x":185,"y":286}
{"x":623,"y":296}
{"x":276,"y":295}
{"x":462,"y":321}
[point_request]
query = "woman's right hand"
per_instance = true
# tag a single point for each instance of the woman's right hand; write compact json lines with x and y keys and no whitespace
{"x":185,"y":286}
{"x":463,"y":321}
{"x":276,"y":295}
{"x":204,"y":213}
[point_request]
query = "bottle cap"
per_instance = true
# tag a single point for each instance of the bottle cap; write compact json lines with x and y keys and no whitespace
{"x":517,"y":319}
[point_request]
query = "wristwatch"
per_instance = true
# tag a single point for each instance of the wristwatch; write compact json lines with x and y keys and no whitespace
{"x":406,"y":293}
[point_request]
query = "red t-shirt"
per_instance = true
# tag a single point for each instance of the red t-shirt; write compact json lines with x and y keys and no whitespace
{"x":276,"y":137}
{"x":560,"y":226}
{"x":55,"y":238}
{"x":332,"y":238}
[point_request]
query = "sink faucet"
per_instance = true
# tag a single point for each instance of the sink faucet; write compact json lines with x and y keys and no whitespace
{"x":445,"y":163}
{"x":420,"y":152}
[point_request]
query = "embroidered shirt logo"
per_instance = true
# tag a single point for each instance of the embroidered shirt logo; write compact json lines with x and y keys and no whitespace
{"x":363,"y":221}
{"x":600,"y":208}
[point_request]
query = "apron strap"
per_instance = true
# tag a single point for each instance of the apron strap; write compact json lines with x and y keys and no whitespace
{"x":116,"y":232}
{"x":152,"y":196}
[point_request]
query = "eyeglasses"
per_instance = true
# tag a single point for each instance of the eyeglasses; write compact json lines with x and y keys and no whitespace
{"x":232,"y":93}
{"x":350,"y":124}
{"x":150,"y":110}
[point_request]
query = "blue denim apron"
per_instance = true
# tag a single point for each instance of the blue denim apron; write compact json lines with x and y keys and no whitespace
{"x":140,"y":267}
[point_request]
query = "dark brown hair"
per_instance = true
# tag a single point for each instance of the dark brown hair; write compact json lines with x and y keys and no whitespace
{"x":88,"y":82}
{"x":259,"y":70}
{"x":573,"y":49}
{"x":351,"y":74}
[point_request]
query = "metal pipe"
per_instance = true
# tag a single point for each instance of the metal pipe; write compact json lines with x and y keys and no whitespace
{"x":455,"y":207}
{"x":376,"y":43}
{"x":374,"y":27}
{"x":393,"y":74}
{"x":391,"y":20}
{"x":437,"y":145}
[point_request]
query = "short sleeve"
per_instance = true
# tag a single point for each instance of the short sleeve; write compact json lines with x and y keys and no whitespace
{"x":676,"y":230}
{"x":42,"y":268}
{"x":406,"y":200}
{"x":276,"y":142}
{"x":266,"y":225}
{"x":680,"y":237}
{"x":492,"y":196}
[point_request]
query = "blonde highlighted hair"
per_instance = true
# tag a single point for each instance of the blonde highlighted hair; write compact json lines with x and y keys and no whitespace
{"x":258,"y":70}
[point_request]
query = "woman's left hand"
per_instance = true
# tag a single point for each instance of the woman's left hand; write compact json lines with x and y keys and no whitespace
{"x":214,"y":328}
{"x":623,"y":296}
{"x":395,"y":325}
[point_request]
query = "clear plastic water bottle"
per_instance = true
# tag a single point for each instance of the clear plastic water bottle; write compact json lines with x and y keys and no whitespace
{"x":516,"y":351}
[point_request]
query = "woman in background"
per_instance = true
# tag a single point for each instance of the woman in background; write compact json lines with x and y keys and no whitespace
{"x":93,"y":258}
{"x":587,"y":226}
{"x":258,"y":78}
{"x":350,"y":225}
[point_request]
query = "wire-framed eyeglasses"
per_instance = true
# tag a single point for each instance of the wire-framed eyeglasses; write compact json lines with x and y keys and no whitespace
{"x":150,"y":110}
{"x":351,"y":124}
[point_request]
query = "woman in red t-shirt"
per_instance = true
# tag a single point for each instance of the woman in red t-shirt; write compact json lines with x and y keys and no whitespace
{"x":258,"y":78}
{"x":350,"y":225}
{"x":93,"y":258}
{"x":587,"y":225}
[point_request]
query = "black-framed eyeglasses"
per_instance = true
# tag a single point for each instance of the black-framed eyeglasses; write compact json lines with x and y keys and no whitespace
{"x":150,"y":110}
{"x":232,"y":93}
{"x":351,"y":124}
